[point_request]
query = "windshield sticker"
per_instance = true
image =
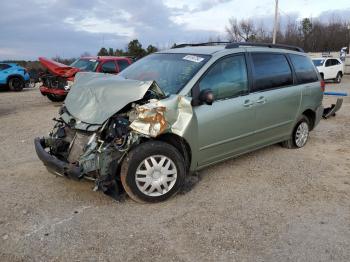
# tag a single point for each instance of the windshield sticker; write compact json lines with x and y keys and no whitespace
{"x":193,"y":58}
{"x":92,"y":60}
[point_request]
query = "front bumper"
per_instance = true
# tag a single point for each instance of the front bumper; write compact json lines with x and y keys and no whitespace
{"x":53,"y":91}
{"x":53,"y":164}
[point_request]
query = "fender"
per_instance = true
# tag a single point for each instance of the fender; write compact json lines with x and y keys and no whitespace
{"x":14,"y":75}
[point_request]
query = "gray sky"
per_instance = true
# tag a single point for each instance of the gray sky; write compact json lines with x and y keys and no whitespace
{"x":32,"y":28}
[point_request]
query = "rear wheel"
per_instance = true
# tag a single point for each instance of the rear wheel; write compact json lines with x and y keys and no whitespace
{"x":16,"y":84}
{"x":300,"y":134}
{"x":153,"y":172}
{"x":56,"y":98}
{"x":338,"y":78}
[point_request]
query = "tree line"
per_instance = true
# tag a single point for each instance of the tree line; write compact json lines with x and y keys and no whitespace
{"x":134,"y":49}
{"x":311,"y":35}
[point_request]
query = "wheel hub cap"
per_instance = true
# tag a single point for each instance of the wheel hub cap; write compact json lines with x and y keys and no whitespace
{"x":302,"y":134}
{"x":156,"y":175}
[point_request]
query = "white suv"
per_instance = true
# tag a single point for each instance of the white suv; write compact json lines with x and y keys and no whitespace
{"x":329,"y":68}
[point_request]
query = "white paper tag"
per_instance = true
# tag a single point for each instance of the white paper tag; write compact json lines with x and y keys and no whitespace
{"x":193,"y":58}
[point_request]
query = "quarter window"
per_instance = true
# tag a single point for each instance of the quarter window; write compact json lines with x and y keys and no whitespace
{"x":271,"y":71}
{"x":304,"y":69}
{"x":227,"y":78}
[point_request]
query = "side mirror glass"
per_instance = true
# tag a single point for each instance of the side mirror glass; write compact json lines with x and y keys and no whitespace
{"x":206,"y":96}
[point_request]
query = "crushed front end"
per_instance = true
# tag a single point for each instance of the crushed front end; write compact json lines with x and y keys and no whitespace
{"x":81,"y":151}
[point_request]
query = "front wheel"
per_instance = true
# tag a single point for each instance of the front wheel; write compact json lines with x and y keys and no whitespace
{"x":300,"y":134}
{"x":16,"y":84}
{"x":153,"y":172}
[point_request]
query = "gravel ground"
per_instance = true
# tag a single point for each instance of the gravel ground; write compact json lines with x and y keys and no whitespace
{"x":270,"y":205}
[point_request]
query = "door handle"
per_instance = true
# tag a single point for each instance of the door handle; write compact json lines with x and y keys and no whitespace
{"x":261,"y":100}
{"x":248,"y":103}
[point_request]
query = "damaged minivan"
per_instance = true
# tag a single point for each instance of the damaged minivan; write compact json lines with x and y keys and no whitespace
{"x":177,"y":111}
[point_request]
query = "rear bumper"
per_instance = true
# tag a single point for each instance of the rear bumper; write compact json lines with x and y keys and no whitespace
{"x":53,"y":164}
{"x":53,"y":91}
{"x":319,"y":113}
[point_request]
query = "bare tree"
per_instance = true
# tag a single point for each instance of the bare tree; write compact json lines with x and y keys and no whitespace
{"x":241,"y":31}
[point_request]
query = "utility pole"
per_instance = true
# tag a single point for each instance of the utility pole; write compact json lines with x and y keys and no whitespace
{"x":275,"y":24}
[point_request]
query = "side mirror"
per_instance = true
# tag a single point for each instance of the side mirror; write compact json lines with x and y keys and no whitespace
{"x":206,"y":96}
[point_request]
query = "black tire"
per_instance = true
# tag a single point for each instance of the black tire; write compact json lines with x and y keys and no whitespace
{"x":56,"y":98}
{"x":292,"y":141}
{"x":16,"y":84}
{"x":338,"y":78}
{"x":322,"y":76}
{"x":136,"y":158}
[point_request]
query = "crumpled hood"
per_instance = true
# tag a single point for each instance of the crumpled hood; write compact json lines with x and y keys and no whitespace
{"x":95,"y":97}
{"x":57,"y":68}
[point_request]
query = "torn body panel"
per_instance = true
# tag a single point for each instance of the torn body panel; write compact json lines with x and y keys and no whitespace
{"x":160,"y":116}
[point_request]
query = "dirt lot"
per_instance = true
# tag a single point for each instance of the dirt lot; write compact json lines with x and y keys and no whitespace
{"x":271,"y":205}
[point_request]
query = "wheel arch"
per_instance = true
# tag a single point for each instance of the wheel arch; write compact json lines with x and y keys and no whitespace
{"x":180,"y":144}
{"x":311,"y":115}
{"x":14,"y":76}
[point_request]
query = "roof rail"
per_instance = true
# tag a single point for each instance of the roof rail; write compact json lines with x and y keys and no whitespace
{"x":289,"y":47}
{"x":202,"y":44}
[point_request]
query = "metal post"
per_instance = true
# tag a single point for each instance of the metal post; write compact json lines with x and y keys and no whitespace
{"x":275,"y":24}
{"x":349,"y":39}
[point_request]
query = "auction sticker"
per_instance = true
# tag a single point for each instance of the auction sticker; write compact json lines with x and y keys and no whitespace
{"x":193,"y":58}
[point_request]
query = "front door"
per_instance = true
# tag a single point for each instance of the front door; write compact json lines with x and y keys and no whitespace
{"x":226,"y":127}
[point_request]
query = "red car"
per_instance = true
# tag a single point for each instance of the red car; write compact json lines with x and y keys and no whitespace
{"x":58,"y":81}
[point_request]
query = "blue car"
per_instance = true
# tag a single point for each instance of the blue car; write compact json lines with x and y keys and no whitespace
{"x":13,"y":76}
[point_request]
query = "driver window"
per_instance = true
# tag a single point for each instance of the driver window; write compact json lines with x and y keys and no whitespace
{"x":227,"y":78}
{"x":329,"y":62}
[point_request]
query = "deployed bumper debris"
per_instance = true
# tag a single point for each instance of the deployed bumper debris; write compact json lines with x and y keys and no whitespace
{"x":331,"y":111}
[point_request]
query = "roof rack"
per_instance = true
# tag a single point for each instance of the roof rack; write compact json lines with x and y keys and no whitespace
{"x":202,"y":44}
{"x":289,"y":47}
{"x":229,"y":45}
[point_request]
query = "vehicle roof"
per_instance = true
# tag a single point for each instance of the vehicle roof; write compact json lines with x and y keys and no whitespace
{"x":220,"y":49}
{"x":100,"y":58}
{"x":11,"y":64}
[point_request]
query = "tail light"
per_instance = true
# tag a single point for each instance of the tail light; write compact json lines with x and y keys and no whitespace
{"x":322,"y":85}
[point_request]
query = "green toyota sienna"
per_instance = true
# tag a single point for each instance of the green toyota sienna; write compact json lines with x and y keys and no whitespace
{"x":177,"y":111}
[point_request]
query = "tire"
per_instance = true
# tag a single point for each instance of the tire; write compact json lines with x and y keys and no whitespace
{"x":56,"y":98}
{"x":153,"y":186}
{"x":16,"y":84}
{"x":322,"y":76}
{"x":300,"y":134}
{"x":338,"y":78}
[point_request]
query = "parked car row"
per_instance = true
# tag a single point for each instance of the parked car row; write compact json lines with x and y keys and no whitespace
{"x":57,"y":82}
{"x":178,"y":111}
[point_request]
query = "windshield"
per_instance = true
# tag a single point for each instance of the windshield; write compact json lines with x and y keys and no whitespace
{"x":318,"y":62}
{"x":85,"y":64}
{"x":170,"y":71}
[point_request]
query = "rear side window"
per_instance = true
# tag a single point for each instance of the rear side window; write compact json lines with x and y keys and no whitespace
{"x":109,"y":67}
{"x":271,"y":71}
{"x":304,"y":69}
{"x":335,"y":62}
{"x":4,"y":66}
{"x":122,"y":64}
